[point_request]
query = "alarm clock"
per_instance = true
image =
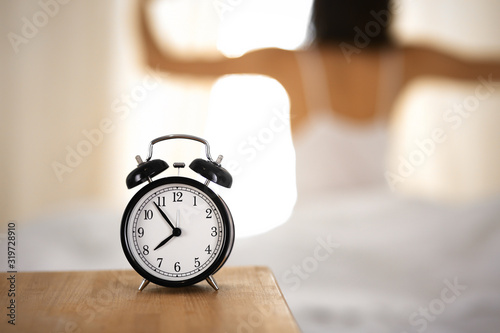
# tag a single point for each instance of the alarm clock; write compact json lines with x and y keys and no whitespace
{"x":176,"y":231}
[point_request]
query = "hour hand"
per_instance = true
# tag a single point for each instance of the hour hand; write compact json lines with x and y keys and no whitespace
{"x":175,"y":233}
{"x":164,"y":216}
{"x":163,"y":242}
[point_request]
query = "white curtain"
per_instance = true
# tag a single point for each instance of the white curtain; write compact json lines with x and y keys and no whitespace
{"x":58,"y":65}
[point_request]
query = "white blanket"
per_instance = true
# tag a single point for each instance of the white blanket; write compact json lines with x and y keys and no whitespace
{"x":370,"y":261}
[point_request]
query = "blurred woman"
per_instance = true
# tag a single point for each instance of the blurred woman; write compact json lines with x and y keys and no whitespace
{"x":351,"y":69}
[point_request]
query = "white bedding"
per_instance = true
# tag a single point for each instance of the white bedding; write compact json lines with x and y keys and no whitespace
{"x":389,"y":257}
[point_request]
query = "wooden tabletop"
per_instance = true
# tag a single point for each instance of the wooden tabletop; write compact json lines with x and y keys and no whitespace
{"x":248,"y":300}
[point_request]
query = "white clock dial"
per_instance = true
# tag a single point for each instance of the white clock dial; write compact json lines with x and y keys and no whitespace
{"x":176,"y":232}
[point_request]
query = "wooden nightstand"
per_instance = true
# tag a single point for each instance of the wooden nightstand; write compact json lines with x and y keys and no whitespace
{"x":249,"y":300}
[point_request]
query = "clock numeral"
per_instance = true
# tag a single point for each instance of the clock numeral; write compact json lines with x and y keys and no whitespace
{"x":161,"y":201}
{"x":209,"y":213}
{"x":177,"y":196}
{"x":208,"y":250}
{"x":197,"y":262}
{"x":160,"y":260}
{"x":194,"y":201}
{"x":177,"y":266}
{"x":148,"y":214}
{"x":214,"y":232}
{"x":145,"y":250}
{"x":140,"y":231}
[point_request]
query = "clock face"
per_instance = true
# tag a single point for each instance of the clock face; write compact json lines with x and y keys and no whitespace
{"x":176,"y":231}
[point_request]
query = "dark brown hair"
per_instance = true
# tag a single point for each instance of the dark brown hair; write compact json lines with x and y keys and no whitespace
{"x":335,"y":21}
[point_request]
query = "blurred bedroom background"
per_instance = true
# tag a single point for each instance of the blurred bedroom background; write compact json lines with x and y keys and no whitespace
{"x":78,"y":103}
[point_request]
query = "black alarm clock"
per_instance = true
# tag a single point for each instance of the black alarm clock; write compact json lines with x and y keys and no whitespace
{"x":176,"y":231}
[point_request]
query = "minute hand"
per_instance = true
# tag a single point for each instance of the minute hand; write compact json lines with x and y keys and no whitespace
{"x":164,"y":216}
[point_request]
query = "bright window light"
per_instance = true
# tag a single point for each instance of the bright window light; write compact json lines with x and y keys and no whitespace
{"x":249,"y":124}
{"x":255,"y":24}
{"x":192,"y":28}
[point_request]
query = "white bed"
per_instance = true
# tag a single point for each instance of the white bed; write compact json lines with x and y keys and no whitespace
{"x":389,"y":257}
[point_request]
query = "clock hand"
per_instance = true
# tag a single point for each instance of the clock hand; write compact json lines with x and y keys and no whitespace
{"x":164,"y":216}
{"x":176,"y":232}
{"x":163,"y":242}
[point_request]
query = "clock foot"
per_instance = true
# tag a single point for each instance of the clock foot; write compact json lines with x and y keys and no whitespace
{"x":143,"y":285}
{"x":212,"y":282}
